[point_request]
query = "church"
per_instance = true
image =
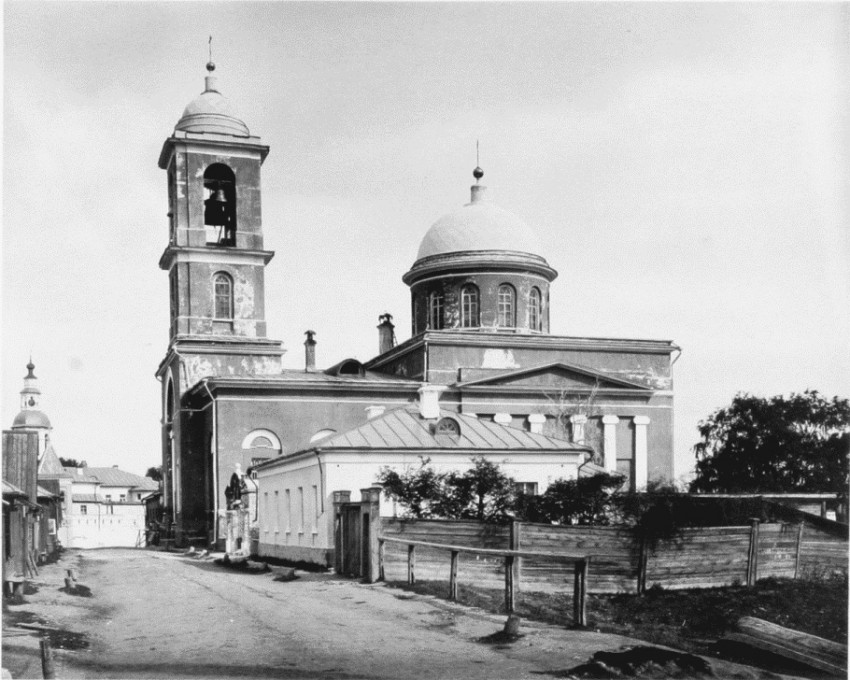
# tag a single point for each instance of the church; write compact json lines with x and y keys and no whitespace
{"x":480,"y":374}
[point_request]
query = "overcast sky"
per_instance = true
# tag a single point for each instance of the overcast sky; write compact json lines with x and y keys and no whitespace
{"x":686,"y":167}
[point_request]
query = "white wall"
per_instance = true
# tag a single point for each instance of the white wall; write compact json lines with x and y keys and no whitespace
{"x":100,"y":528}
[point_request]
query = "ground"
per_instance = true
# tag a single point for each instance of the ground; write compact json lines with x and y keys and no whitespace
{"x":166,"y":615}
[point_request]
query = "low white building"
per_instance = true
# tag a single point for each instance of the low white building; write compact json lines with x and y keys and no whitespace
{"x":295,"y":491}
{"x":101,"y":506}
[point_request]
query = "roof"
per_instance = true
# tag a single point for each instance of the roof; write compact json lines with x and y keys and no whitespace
{"x":404,"y":428}
{"x":44,"y":493}
{"x":49,"y":466}
{"x":87,"y":498}
{"x":478,"y":225}
{"x":12,"y":490}
{"x":211,"y":111}
{"x":31,"y":418}
{"x":112,"y":476}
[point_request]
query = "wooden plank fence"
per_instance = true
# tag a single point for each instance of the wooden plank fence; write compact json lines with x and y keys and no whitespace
{"x":701,"y":557}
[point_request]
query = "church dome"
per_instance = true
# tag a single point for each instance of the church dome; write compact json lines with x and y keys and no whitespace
{"x":31,"y":418}
{"x":211,"y":111}
{"x":478,"y":225}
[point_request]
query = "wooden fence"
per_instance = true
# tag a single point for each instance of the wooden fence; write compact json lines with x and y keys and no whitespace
{"x":696,"y":558}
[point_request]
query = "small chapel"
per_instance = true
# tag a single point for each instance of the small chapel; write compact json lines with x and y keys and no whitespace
{"x":480,"y":374}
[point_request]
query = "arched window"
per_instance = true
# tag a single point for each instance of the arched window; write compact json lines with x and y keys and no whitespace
{"x":436,"y":302}
{"x":507,"y":308}
{"x":535,"y":320}
{"x":469,"y":306}
{"x":223,"y":292}
{"x":220,"y":205}
{"x":262,"y":439}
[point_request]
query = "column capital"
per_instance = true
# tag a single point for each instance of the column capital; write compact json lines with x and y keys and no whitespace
{"x":503,"y":418}
{"x":536,"y":418}
{"x":578,"y":419}
{"x":641,"y":420}
{"x":610,"y":420}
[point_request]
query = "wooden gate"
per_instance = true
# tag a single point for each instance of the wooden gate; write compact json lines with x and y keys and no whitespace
{"x":356,"y":539}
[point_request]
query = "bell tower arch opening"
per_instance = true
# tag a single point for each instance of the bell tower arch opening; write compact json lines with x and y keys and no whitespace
{"x":220,"y":205}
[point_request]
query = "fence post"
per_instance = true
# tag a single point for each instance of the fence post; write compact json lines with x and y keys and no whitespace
{"x":48,"y":670}
{"x":510,"y":594}
{"x":516,"y":533}
{"x":753,"y":554}
{"x":339,"y":498}
{"x":411,"y":564}
{"x":643,"y":560}
{"x":372,"y":496}
{"x":580,"y":593}
{"x":799,"y":550}
{"x":453,"y":576}
{"x":381,"y":551}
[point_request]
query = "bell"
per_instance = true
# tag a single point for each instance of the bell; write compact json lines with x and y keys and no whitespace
{"x":215,"y":209}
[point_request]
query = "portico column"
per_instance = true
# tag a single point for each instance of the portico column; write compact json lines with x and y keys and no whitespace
{"x":577,"y":422}
{"x":536,"y":422}
{"x":610,"y":435}
{"x":641,"y":463}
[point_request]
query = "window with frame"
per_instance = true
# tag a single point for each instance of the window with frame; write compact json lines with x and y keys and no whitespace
{"x":84,"y":510}
{"x":507,"y":308}
{"x":436,"y":303}
{"x":526,"y":488}
{"x":447,"y":426}
{"x":535,"y":320}
{"x":223,"y":290}
{"x":469,"y":314}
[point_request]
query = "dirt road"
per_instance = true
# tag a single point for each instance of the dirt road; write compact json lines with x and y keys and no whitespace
{"x":164,"y":615}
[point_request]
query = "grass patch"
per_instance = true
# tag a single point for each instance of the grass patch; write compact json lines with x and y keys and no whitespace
{"x":691,"y":620}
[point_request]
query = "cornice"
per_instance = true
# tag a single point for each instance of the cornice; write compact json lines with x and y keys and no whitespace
{"x":464,"y":262}
{"x":212,"y":141}
{"x":213,"y":254}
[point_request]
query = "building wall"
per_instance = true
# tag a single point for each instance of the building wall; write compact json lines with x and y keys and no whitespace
{"x":107,"y":525}
{"x":295,"y":498}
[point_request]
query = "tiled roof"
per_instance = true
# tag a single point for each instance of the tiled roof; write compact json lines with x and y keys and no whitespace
{"x":404,"y":428}
{"x":112,"y":476}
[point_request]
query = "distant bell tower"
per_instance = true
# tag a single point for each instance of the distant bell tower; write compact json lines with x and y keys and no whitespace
{"x":216,"y":268}
{"x":31,"y":417}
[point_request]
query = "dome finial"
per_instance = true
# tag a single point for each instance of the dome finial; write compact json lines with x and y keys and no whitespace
{"x":30,"y":368}
{"x":210,"y":63}
{"x":478,"y":173}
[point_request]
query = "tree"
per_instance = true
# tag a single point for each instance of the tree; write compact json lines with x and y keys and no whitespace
{"x":155,"y":473}
{"x":568,"y":404}
{"x":482,"y":492}
{"x":413,"y":489}
{"x":69,"y":462}
{"x":586,"y":500}
{"x":798,"y":443}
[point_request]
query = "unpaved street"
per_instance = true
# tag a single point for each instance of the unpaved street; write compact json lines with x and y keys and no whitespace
{"x":165,"y":615}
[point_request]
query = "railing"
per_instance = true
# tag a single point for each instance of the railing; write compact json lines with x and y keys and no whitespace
{"x":581,"y":562}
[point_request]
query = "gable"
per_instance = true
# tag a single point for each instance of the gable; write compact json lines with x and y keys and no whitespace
{"x":558,"y":376}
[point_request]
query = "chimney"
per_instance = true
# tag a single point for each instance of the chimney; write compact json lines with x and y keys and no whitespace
{"x":429,"y":400}
{"x":375,"y":411}
{"x":309,"y":352}
{"x":386,"y":333}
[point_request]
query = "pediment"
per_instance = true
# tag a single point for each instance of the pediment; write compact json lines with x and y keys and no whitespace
{"x":560,"y":376}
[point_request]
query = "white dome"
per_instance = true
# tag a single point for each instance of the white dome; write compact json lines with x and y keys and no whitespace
{"x":211,"y":111}
{"x":478,"y":225}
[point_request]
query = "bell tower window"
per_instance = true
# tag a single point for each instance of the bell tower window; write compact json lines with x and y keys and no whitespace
{"x":469,"y":316}
{"x":535,"y":321}
{"x":507,"y":308}
{"x":436,"y":302}
{"x":223,"y":291}
{"x":220,"y":205}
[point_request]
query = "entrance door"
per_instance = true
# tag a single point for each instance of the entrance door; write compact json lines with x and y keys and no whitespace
{"x":351,"y":549}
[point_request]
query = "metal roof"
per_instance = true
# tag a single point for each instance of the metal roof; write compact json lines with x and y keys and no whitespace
{"x":404,"y":428}
{"x":12,"y":490}
{"x":112,"y":476}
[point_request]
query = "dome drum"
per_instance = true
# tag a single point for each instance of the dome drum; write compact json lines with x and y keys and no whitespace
{"x":492,"y":301}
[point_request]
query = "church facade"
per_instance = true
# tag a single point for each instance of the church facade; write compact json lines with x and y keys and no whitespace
{"x":480,"y":347}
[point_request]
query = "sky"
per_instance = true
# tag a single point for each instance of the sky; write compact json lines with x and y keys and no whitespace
{"x":686,"y":167}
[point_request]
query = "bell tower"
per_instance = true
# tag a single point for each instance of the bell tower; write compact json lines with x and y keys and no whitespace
{"x":216,"y":269}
